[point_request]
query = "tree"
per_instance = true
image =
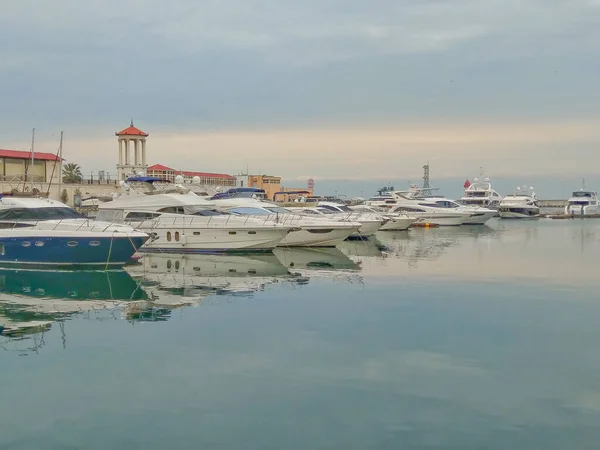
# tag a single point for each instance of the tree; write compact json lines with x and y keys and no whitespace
{"x":64,"y":196}
{"x":71,"y":173}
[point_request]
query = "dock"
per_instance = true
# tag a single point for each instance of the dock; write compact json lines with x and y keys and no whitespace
{"x":572,"y":216}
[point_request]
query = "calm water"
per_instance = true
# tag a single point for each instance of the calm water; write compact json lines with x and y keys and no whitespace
{"x":466,"y":338}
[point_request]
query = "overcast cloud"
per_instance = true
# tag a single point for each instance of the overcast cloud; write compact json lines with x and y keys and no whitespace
{"x":231,"y":76}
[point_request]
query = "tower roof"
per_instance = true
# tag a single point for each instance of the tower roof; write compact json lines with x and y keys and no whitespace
{"x":131,"y":131}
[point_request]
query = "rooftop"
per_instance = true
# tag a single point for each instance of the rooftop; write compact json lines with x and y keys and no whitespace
{"x":131,"y":131}
{"x":19,"y":154}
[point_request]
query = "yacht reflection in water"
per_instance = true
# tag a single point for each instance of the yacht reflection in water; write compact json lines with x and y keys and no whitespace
{"x":186,"y":279}
{"x":431,"y":244}
{"x":31,"y":301}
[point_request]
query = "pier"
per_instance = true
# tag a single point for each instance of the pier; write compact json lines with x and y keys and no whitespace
{"x":552,"y":203}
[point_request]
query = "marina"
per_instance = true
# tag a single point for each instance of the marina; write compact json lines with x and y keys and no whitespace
{"x":428,"y":317}
{"x":299,"y":225}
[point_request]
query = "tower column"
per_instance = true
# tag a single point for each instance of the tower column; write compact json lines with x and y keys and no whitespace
{"x":126,"y":141}
{"x":135,"y":152}
{"x":144,"y":153}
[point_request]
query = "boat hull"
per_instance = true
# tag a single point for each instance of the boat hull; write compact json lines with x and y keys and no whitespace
{"x":316,"y":237}
{"x":479,"y":218}
{"x":397,"y":224}
{"x":40,"y":248}
{"x":519,"y":213}
{"x":367,"y":228}
{"x":443,"y":220}
{"x":582,"y":210}
{"x":213,"y":240}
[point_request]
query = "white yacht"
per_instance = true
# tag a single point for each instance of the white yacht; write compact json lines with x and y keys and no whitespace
{"x":311,"y":231}
{"x":188,"y":223}
{"x":478,"y":215}
{"x":421,"y":204}
{"x":369,"y":223}
{"x":39,"y":231}
{"x":481,"y":193}
{"x":396,"y":222}
{"x":522,"y":204}
{"x":583,"y":203}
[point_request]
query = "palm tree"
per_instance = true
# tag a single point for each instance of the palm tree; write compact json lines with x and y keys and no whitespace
{"x":71,"y":173}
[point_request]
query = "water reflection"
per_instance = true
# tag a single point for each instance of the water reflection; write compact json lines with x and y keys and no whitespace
{"x":33,"y":300}
{"x":555,"y":251}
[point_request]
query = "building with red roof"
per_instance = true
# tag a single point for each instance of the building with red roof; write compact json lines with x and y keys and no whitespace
{"x":206,"y":178}
{"x":16,"y":165}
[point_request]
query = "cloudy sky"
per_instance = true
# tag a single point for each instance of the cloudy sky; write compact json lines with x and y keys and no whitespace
{"x":336,"y":90}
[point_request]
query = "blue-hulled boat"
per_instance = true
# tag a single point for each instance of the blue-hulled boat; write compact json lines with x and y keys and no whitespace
{"x":42,"y":232}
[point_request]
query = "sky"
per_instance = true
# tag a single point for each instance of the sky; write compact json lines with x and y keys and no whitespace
{"x":351,"y":93}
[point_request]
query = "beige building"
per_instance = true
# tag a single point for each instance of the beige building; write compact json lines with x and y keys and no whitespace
{"x":17,"y":166}
{"x":206,"y":178}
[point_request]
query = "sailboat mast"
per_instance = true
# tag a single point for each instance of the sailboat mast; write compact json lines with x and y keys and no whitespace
{"x":32,"y":156}
{"x":60,"y":165}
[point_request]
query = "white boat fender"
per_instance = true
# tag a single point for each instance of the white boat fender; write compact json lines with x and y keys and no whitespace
{"x":183,"y":239}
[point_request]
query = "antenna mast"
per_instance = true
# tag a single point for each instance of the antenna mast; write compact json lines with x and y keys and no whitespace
{"x":426,"y":176}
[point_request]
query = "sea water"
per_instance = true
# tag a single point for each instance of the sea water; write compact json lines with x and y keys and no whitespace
{"x":481,"y":337}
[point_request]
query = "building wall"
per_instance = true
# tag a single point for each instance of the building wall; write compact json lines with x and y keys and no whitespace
{"x":270,"y":184}
{"x":13,"y":169}
{"x":187,"y":179}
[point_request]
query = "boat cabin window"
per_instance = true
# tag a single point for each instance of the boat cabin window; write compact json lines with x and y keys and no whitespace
{"x":277,"y":209}
{"x":39,"y":214}
{"x":245,"y":211}
{"x":210,"y":212}
{"x":141,"y":215}
{"x":474,"y":202}
{"x":579,"y":202}
{"x":109,"y":215}
{"x":172,"y":210}
{"x":406,"y":209}
{"x":329,"y":208}
{"x":582,"y":194}
{"x":323,"y":210}
{"x":476,"y":194}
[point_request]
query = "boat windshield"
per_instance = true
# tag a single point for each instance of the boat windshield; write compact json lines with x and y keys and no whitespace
{"x":336,"y":208}
{"x":277,"y":209}
{"x":246,"y":211}
{"x":473,"y":202}
{"x":210,"y":212}
{"x":39,"y":214}
{"x":476,"y":193}
{"x":582,"y":194}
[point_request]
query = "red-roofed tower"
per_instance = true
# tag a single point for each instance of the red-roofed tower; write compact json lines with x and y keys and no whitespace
{"x":131,"y":138}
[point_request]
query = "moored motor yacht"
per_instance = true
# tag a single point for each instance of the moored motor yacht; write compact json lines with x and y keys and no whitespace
{"x":396,"y":221}
{"x":477,"y":215}
{"x":522,"y":204}
{"x":583,"y":203}
{"x":369,"y":223}
{"x":43,"y":232}
{"x":310,"y":231}
{"x":480,"y":193}
{"x":185,"y":222}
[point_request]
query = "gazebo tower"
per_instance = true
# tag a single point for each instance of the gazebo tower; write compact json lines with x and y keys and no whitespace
{"x":131,"y":138}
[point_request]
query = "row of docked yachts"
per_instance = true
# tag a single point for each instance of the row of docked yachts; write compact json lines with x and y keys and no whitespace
{"x":479,"y":203}
{"x":172,"y":219}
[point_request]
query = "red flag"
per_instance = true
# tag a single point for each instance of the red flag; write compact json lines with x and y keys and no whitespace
{"x":467,"y":184}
